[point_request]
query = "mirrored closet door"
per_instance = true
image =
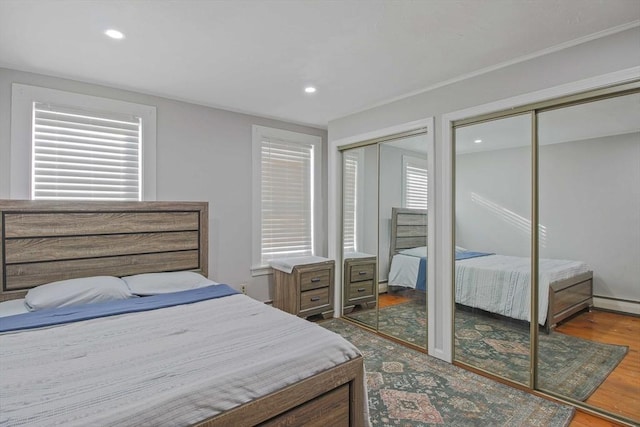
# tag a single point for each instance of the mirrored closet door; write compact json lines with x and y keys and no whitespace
{"x":589,"y":247}
{"x":385,"y":236}
{"x":493,"y":246}
{"x":547,"y":235}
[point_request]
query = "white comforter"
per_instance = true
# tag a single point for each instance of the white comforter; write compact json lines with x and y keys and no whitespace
{"x":172,"y":366}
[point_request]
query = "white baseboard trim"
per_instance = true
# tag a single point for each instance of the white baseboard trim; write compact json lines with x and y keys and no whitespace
{"x":623,"y":306}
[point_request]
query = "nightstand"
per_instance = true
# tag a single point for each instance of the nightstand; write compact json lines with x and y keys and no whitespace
{"x":360,"y":281}
{"x":304,"y":286}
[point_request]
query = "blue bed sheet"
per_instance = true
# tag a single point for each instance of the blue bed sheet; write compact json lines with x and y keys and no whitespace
{"x":57,"y":316}
{"x":421,"y":281}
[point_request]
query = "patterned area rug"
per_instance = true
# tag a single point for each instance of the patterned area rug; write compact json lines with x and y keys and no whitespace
{"x":410,"y":389}
{"x":569,"y":366}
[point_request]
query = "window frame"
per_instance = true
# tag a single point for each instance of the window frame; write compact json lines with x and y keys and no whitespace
{"x":258,"y":134}
{"x":23,"y":98}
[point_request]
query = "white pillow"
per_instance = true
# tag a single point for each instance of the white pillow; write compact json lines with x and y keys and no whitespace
{"x":461,"y":249}
{"x":162,"y":283}
{"x":420,"y":251}
{"x":84,"y":290}
{"x":13,"y":307}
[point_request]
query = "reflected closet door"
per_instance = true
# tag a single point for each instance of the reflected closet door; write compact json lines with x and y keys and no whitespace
{"x":360,"y":234}
{"x":402,"y":252}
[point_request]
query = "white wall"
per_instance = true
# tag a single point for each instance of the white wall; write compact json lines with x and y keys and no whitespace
{"x":203,"y":154}
{"x":493,"y":201}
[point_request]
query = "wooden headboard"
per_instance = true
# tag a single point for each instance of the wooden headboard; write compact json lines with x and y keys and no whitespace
{"x":408,"y":229}
{"x":46,"y":241}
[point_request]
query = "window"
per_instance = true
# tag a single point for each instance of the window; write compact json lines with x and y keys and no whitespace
{"x":414,"y":182}
{"x":83,"y":155}
{"x":352,"y":181}
{"x":285,"y":168}
{"x":69,"y":146}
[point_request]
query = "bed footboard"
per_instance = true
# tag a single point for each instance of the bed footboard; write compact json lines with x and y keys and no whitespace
{"x":335,"y":397}
{"x":567,"y":297}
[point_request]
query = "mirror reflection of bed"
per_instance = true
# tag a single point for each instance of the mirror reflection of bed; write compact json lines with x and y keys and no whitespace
{"x":588,"y":227}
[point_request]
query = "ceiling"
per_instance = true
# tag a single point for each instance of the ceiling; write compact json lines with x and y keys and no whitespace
{"x":257,"y":56}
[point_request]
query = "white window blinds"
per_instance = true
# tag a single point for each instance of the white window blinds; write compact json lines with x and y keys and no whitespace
{"x":286,"y":199}
{"x":350,"y":201}
{"x":82,"y":155}
{"x":415,"y":182}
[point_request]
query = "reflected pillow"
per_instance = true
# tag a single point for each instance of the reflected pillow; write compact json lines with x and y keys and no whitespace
{"x":162,"y":283}
{"x":84,"y":290}
{"x":13,"y":307}
{"x":420,"y":251}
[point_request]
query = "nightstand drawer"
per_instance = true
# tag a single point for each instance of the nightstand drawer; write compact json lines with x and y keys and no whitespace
{"x":361,"y":290}
{"x":362,"y":272}
{"x":314,"y":298}
{"x":315,"y":279}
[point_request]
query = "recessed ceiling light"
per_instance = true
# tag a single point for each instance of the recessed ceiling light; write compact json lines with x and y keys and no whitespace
{"x":477,"y":141}
{"x":310,"y":89}
{"x":114,"y":34}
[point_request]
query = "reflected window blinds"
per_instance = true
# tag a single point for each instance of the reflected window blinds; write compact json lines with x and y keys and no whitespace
{"x":350,"y":201}
{"x":83,"y":155}
{"x":286,"y":198}
{"x":415,"y":184}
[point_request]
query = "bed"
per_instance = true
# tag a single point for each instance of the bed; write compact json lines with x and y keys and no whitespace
{"x":495,"y":283}
{"x":213,"y":358}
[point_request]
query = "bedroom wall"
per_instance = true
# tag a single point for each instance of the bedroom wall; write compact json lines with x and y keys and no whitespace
{"x":203,"y":154}
{"x":493,"y":201}
{"x":589,"y":207}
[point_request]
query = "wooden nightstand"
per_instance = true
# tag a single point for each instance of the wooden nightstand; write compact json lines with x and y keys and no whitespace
{"x":360,"y":282}
{"x":307,"y":289}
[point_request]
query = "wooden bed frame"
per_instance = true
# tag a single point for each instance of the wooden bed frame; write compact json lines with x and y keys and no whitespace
{"x":46,"y":241}
{"x":566,"y":297}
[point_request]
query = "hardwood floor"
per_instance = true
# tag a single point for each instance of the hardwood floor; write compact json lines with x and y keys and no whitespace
{"x":620,"y":392}
{"x":386,"y":300}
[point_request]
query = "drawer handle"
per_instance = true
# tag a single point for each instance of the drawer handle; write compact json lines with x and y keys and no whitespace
{"x":361,"y":289}
{"x":315,"y":298}
{"x":362,"y":273}
{"x":315,"y":279}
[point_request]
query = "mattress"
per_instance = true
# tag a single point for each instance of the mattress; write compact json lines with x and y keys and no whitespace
{"x":170,"y":366}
